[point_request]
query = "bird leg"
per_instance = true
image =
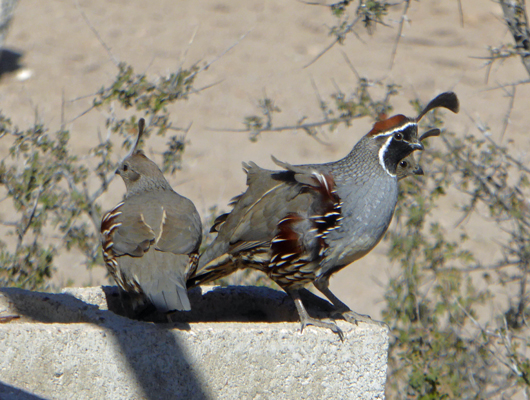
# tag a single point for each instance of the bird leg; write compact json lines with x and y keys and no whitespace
{"x":351,"y":316}
{"x":136,"y":305}
{"x":169,"y":317}
{"x":306,"y":319}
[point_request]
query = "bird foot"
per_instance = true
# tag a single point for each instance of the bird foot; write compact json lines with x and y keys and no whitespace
{"x":322,"y":324}
{"x":169,"y":317}
{"x":353,"y":318}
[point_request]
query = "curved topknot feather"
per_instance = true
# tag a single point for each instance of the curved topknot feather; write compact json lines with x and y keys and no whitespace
{"x":430,"y":133}
{"x":446,"y":100}
{"x":141,"y":126}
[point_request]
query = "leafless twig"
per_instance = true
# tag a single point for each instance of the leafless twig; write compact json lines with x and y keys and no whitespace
{"x":287,"y":127}
{"x":508,"y":113}
{"x":400,"y":31}
{"x":204,"y":68}
{"x":22,"y":232}
{"x":96,"y":33}
{"x":460,"y":12}
{"x":338,"y":39}
{"x":350,"y":64}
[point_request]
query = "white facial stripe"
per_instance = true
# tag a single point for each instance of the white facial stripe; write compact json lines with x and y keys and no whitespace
{"x":399,"y":128}
{"x":382,"y":151}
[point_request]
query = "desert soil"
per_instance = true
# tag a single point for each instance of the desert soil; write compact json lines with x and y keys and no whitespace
{"x":61,"y":54}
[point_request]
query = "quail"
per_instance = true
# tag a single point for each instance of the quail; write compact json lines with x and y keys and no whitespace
{"x":406,"y":167}
{"x":151,"y":239}
{"x":409,"y":166}
{"x":302,"y":224}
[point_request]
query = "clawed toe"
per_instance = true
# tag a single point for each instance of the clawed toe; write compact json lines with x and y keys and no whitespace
{"x":342,"y":309}
{"x":354,"y":318}
{"x":322,"y":324}
{"x":305,"y":319}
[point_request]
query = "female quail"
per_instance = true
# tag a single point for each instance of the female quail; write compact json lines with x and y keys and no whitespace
{"x":151,"y":240}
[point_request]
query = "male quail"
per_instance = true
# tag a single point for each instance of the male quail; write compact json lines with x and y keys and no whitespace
{"x":304,"y":223}
{"x":406,"y":167}
{"x":151,"y":239}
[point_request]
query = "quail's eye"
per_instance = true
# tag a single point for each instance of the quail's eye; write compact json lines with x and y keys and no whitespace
{"x":125,"y":167}
{"x":398,"y":136}
{"x":403,"y":164}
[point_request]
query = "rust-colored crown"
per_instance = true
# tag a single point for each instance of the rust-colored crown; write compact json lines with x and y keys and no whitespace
{"x":446,"y":100}
{"x":388,"y":124}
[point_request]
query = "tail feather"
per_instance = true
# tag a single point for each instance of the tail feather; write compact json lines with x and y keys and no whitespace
{"x":170,"y":297}
{"x":162,"y":277}
{"x":215,"y":269}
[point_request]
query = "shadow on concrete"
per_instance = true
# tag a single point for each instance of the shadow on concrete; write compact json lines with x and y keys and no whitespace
{"x":8,"y":392}
{"x":249,"y":304}
{"x":233,"y":304}
{"x":9,"y":61}
{"x":160,"y":365}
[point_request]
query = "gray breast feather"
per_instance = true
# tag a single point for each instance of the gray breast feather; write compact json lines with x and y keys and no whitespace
{"x":366,"y":217}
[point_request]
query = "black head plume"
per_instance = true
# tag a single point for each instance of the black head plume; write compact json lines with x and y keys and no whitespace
{"x":430,"y":133}
{"x":141,"y":126}
{"x":446,"y":100}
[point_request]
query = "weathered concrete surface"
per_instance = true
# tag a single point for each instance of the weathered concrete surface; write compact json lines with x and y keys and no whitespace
{"x":70,"y":345}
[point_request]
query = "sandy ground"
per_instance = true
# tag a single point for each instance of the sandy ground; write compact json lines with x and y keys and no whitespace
{"x":436,"y":54}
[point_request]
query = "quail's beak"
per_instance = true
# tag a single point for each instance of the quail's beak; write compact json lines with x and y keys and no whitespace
{"x":417,"y":145}
{"x":418,"y":170}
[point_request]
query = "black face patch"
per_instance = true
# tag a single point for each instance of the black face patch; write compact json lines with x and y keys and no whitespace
{"x":396,"y":146}
{"x":395,"y":152}
{"x":410,"y":133}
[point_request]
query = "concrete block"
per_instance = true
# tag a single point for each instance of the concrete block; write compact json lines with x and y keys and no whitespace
{"x":237,"y":343}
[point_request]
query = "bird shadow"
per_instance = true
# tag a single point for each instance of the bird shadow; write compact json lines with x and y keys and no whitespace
{"x":10,"y":61}
{"x":152,"y":350}
{"x":8,"y":392}
{"x":231,"y":304}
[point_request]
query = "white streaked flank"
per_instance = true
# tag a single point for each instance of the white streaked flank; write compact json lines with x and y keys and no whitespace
{"x":162,"y":222}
